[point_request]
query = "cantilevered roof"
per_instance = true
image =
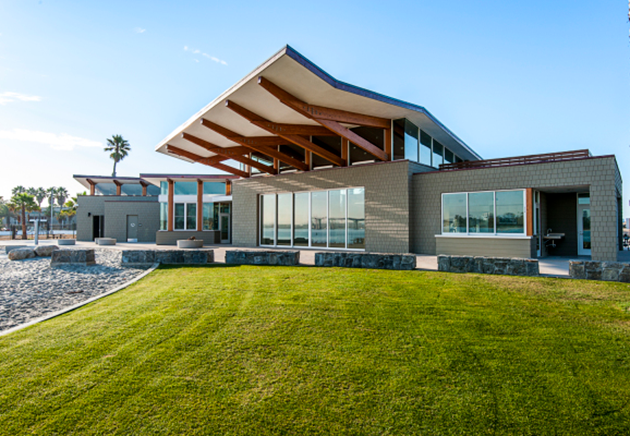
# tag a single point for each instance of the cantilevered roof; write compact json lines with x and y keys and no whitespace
{"x":155,"y":179}
{"x":293,"y":73}
{"x":123,"y":180}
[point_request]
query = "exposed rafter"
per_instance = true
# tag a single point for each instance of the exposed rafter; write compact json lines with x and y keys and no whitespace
{"x":232,"y":136}
{"x":331,"y":118}
{"x":294,"y":138}
{"x":294,"y":129}
{"x":227,"y":152}
{"x":210,"y":161}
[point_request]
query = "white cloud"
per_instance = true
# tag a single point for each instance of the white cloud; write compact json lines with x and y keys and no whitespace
{"x":10,"y":97}
{"x":139,"y":30}
{"x":61,"y":141}
{"x":196,"y":60}
{"x":206,"y":55}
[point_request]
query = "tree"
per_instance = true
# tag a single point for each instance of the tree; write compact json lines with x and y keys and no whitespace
{"x":18,"y":190}
{"x":4,"y":210}
{"x":39,"y":194}
{"x":61,"y":194}
{"x":70,"y":208}
{"x":25,"y":203}
{"x":119,"y":149}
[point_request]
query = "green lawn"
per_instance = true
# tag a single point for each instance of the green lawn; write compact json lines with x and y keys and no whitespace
{"x":278,"y":350}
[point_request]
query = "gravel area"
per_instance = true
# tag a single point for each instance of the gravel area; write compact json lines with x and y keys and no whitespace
{"x":30,"y":288}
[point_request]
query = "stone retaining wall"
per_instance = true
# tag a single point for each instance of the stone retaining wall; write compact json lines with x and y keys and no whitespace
{"x":242,"y":257}
{"x":594,"y":270}
{"x":167,"y":257}
{"x":488,"y":265}
{"x":366,"y":260}
{"x":72,"y":257}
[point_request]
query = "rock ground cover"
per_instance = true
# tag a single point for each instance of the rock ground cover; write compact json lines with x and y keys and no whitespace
{"x":30,"y":288}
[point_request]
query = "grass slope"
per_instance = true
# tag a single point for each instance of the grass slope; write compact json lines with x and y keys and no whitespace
{"x":255,"y":350}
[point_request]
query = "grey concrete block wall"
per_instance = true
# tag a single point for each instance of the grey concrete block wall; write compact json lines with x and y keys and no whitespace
{"x":600,"y":174}
{"x":386,"y":201}
{"x":115,"y":209}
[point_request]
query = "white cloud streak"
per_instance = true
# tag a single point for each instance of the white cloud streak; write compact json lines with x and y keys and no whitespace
{"x":61,"y":141}
{"x":139,"y":30}
{"x":10,"y":97}
{"x":206,"y":55}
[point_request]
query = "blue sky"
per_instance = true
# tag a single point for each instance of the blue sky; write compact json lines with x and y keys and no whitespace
{"x":509,"y":78}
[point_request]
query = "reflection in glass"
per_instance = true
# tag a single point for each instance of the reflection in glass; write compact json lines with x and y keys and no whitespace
{"x":225,"y":227}
{"x":454,"y":213}
{"x":185,"y":188}
{"x":319,"y":223}
{"x":214,"y":188}
{"x":179,"y":216}
{"x":411,"y":141}
{"x":356,"y":218}
{"x":586,"y":229}
{"x":481,"y":212}
{"x":399,"y":139}
{"x":584,"y":198}
{"x":208,"y":216}
{"x":284,"y":219}
{"x":268,"y":213}
{"x":448,"y":156}
{"x":105,"y":188}
{"x":438,"y":154}
{"x":164,"y":188}
{"x":510,"y":212}
{"x":337,"y":219}
{"x":163,"y":216}
{"x":300,"y":220}
{"x":425,"y":148}
{"x":191,"y":216}
{"x":131,"y":189}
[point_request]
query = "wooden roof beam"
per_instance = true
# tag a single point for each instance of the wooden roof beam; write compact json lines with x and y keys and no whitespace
{"x":227,"y":152}
{"x":331,"y":118}
{"x":295,"y":139}
{"x":232,"y":136}
{"x":212,"y":162}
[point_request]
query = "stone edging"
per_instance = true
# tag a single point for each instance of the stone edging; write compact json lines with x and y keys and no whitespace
{"x":488,"y":265}
{"x":78,"y":305}
{"x":597,"y":270}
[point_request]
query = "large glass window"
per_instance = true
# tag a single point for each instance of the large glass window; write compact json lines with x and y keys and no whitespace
{"x":285,"y":210}
{"x":191,"y":216}
{"x":163,"y":216}
{"x":180,"y":216}
{"x":438,"y":154}
{"x":356,"y":218}
{"x":411,"y":141}
{"x":481,"y":212}
{"x":268,"y":214}
{"x":454,"y":213}
{"x":449,"y":157}
{"x":334,"y":219}
{"x":510,"y":211}
{"x":214,"y":188}
{"x":210,"y":221}
{"x":319,"y":214}
{"x":163,"y":188}
{"x":476,"y":213}
{"x":131,"y":189}
{"x":425,"y":149}
{"x":105,"y":188}
{"x":337,"y":218}
{"x":185,"y":188}
{"x":300,"y":220}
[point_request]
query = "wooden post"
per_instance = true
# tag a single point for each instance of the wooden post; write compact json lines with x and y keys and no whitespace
{"x":388,"y":143}
{"x":92,"y":187}
{"x":118,"y":187}
{"x":170,"y":205}
{"x":144,"y":189}
{"x":228,"y":187}
{"x":199,"y":205}
{"x":529,"y":213}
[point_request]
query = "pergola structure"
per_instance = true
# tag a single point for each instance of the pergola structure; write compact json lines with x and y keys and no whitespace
{"x":287,"y":101}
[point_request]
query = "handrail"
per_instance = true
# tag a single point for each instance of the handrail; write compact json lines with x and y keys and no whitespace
{"x":518,"y":160}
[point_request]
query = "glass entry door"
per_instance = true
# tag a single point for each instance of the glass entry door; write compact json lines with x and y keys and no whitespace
{"x":225,"y":222}
{"x":584,"y":225}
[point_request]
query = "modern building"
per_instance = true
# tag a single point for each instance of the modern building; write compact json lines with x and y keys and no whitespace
{"x":316,"y":163}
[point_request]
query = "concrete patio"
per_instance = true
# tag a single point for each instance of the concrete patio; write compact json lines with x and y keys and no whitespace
{"x":552,"y":266}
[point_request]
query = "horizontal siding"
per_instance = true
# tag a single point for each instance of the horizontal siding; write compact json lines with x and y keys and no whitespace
{"x":521,"y":248}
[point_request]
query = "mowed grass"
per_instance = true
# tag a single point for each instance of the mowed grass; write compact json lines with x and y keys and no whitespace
{"x":279,"y":350}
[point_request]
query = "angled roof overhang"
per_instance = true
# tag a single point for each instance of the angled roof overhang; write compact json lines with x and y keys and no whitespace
{"x":307,"y":82}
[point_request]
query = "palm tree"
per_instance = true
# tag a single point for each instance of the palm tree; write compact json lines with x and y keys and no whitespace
{"x":26,"y":203}
{"x":119,"y":148}
{"x":18,"y":190}
{"x":4,"y":210}
{"x":39,"y":194}
{"x":61,"y":194}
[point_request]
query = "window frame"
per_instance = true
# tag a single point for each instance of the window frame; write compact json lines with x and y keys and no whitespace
{"x":185,"y":229}
{"x":495,"y":234}
{"x":310,"y":210}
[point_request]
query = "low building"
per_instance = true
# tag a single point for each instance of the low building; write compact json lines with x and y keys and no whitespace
{"x":320,"y":164}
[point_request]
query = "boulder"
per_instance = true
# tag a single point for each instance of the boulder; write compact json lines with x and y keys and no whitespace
{"x":366,"y":260}
{"x":82,"y":257}
{"x":45,"y":250}
{"x":21,"y":254}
